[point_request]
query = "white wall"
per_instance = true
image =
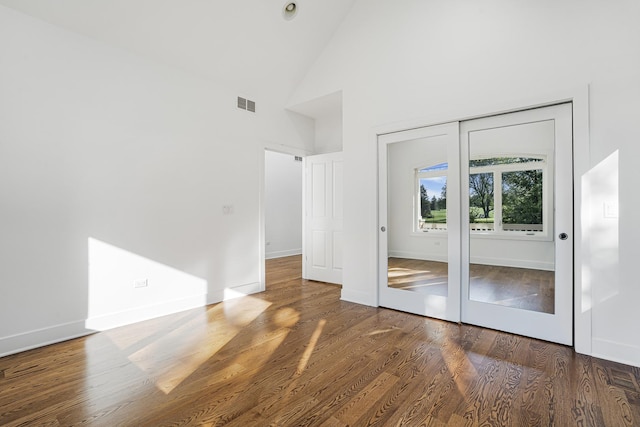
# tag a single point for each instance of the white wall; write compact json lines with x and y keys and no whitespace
{"x":98,"y":145}
{"x":433,"y":60}
{"x":283,"y":205}
{"x":328,"y":132}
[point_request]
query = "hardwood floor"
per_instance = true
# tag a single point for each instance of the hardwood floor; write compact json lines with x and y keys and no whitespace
{"x":522,"y":288}
{"x":296,"y":355}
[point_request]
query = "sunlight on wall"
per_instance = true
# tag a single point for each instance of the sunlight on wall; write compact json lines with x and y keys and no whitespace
{"x":125,"y":288}
{"x":601,"y":229}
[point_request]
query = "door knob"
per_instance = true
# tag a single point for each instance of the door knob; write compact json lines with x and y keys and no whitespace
{"x":383,"y":229}
{"x":563,"y":236}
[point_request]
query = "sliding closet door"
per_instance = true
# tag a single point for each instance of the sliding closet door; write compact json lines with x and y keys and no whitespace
{"x":517,"y":228}
{"x":419,"y":217}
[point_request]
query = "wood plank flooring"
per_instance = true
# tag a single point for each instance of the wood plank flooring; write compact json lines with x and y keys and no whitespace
{"x":522,"y":288}
{"x":296,"y":355}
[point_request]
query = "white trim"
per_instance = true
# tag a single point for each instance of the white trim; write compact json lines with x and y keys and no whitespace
{"x":581,"y":165}
{"x":262,"y":238}
{"x":140,"y":314}
{"x":282,"y":254}
{"x":41,"y":337}
{"x":516,"y":263}
{"x":616,"y":352}
{"x":418,"y":255}
{"x":232,"y":292}
{"x":500,"y":262}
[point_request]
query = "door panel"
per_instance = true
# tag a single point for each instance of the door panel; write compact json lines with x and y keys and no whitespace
{"x":323,"y":218}
{"x":517,"y":181}
{"x":419,"y":198}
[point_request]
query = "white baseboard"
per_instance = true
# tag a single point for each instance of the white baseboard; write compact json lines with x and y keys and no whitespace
{"x":418,"y":255}
{"x":616,"y":352}
{"x":517,"y":263}
{"x":282,"y":254}
{"x":139,"y":314}
{"x":234,"y":292}
{"x":51,"y":335}
{"x":40,"y":337}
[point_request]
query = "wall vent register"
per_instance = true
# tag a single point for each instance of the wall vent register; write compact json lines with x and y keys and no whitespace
{"x":246,"y":104}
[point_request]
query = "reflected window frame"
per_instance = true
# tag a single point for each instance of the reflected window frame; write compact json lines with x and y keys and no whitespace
{"x":536,"y":162}
{"x":431,"y":171}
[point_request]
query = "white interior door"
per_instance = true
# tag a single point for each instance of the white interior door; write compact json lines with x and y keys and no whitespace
{"x":322,"y":246}
{"x":419,"y":201}
{"x":517,"y":228}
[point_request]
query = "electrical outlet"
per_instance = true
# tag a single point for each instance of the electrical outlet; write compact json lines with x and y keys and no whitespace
{"x":611,"y":209}
{"x":142,"y":283}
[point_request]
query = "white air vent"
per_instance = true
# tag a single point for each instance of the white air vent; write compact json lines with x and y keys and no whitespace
{"x":298,"y":158}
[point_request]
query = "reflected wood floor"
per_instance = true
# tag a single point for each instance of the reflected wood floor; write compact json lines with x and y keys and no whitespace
{"x":522,"y":288}
{"x":296,"y":355}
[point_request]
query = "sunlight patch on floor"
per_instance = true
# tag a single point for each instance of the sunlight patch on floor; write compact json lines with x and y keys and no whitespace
{"x":310,"y":347}
{"x":400,"y":272}
{"x":176,"y":355}
{"x":458,"y":364}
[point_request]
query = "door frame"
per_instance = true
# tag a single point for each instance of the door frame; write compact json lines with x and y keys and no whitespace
{"x":579,"y":97}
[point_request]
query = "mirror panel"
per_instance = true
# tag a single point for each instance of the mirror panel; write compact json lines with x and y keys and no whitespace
{"x":417,"y":215}
{"x":512,"y":250}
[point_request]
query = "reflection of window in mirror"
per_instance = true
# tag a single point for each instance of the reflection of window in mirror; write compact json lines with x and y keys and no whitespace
{"x":431,"y":209}
{"x":507,"y":196}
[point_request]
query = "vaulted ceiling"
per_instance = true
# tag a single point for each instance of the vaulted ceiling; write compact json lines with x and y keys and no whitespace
{"x":246,"y":44}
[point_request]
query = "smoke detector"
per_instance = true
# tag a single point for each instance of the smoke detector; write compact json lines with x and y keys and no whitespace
{"x":290,"y":10}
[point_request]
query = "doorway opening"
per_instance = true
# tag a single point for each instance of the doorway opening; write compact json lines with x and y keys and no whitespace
{"x":283,"y":180}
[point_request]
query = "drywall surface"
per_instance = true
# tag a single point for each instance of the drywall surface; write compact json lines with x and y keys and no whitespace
{"x":441,"y":61}
{"x":329,"y":132}
{"x":127,"y":189}
{"x":283,"y":205}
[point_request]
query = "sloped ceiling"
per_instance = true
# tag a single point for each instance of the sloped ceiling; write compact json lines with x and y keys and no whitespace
{"x":246,"y":44}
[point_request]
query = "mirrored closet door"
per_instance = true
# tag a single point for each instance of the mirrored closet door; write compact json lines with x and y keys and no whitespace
{"x":476,"y":222}
{"x":517,"y":210}
{"x":419,"y":252}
